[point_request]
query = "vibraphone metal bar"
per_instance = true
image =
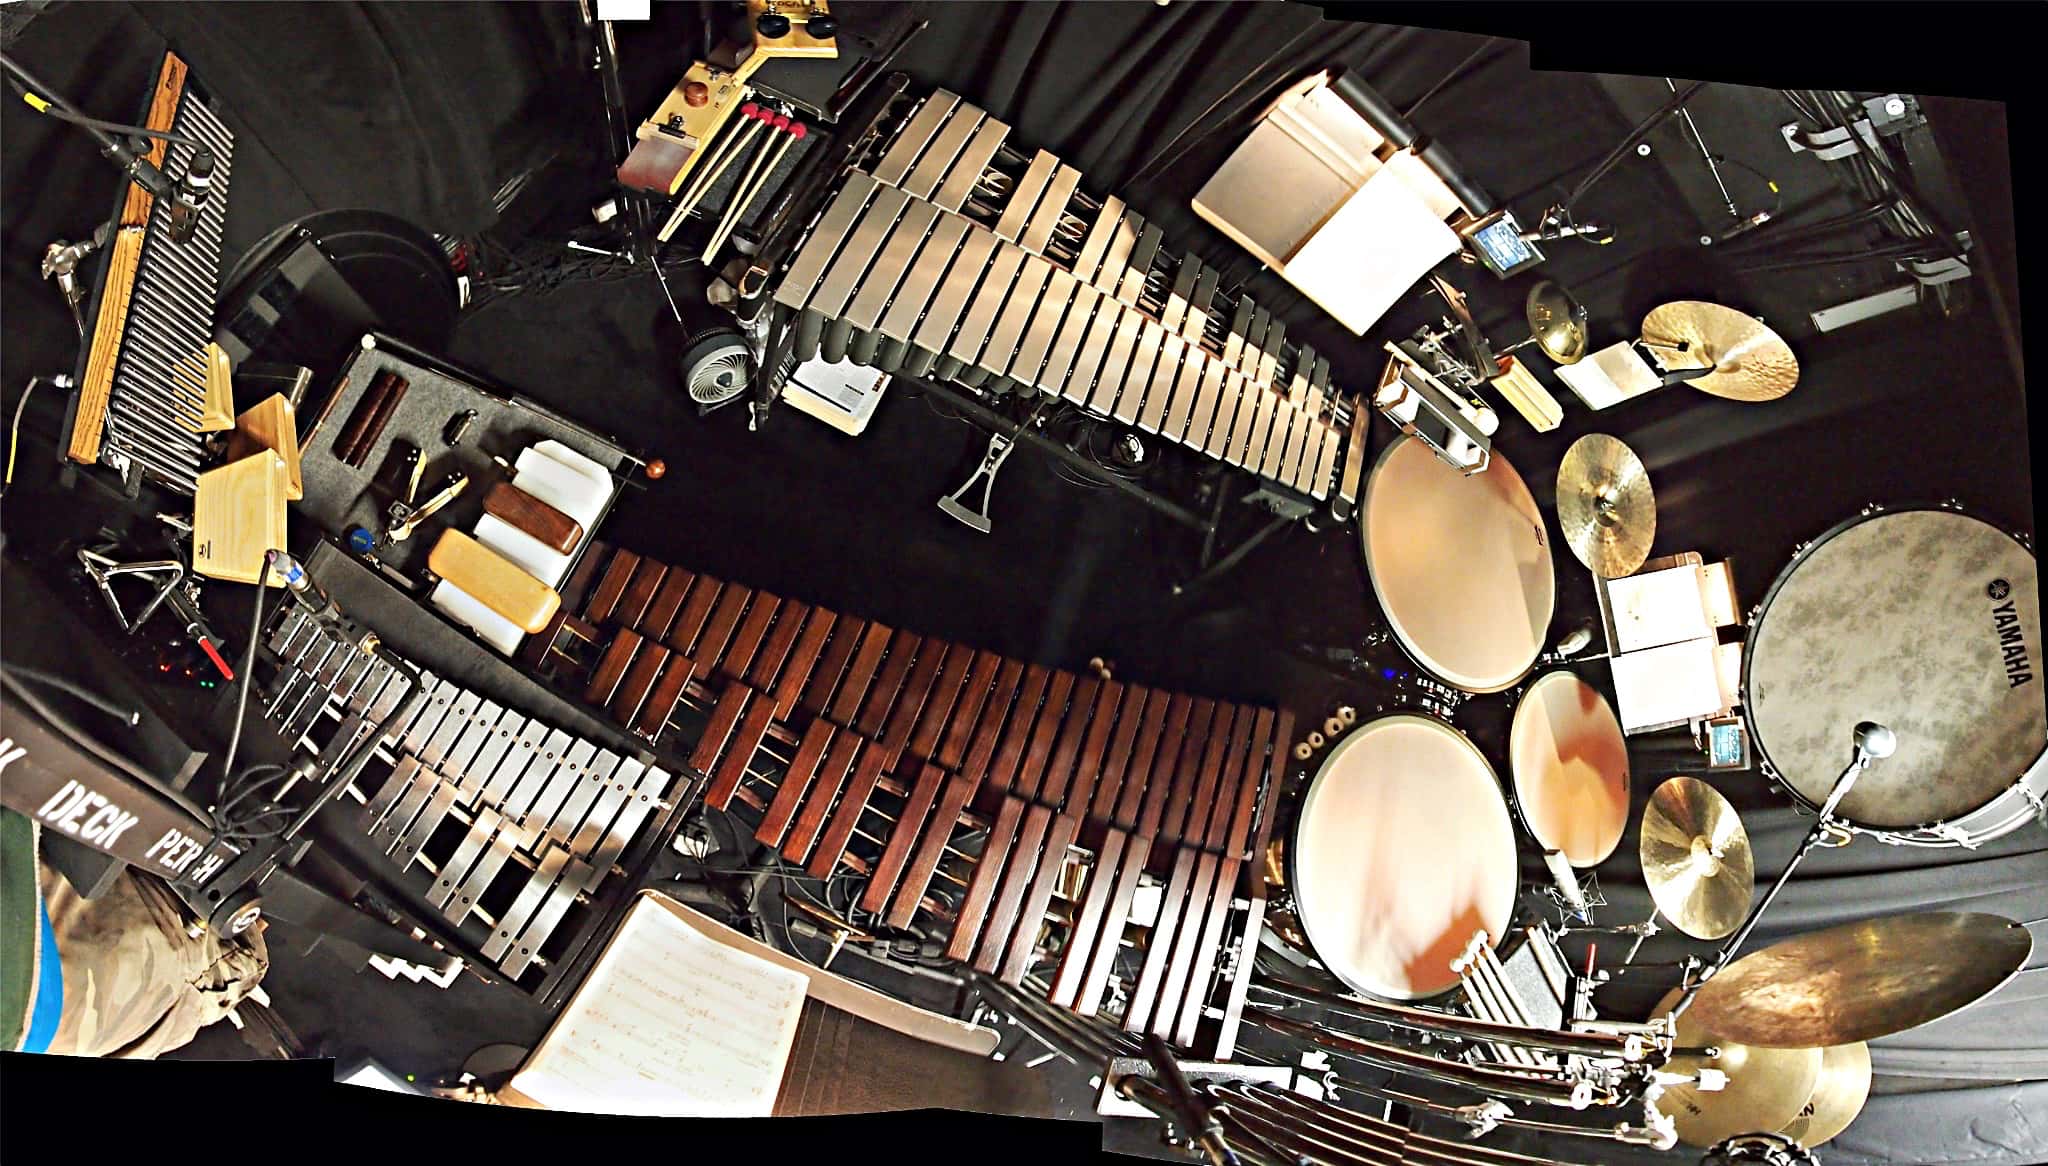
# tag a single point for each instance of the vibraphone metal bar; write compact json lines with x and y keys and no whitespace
{"x":481,"y":796}
{"x":908,"y":743}
{"x":153,"y":381}
{"x":948,"y":253}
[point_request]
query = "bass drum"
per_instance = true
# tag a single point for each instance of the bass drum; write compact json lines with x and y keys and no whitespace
{"x":1460,"y":566}
{"x":1925,"y":620}
{"x":1401,"y":850}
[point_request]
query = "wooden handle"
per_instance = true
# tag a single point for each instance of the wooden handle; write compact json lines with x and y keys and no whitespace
{"x":365,"y":412}
{"x":494,"y":581}
{"x":552,"y":527}
{"x":378,"y":420}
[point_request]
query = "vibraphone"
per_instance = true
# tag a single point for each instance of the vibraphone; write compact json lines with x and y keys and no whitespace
{"x":901,"y":749}
{"x":516,"y":822}
{"x":947,"y":251}
{"x":154,"y":382}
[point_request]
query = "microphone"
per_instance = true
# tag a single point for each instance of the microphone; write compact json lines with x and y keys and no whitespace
{"x":1567,"y":883}
{"x":190,"y":195}
{"x":1875,"y":741}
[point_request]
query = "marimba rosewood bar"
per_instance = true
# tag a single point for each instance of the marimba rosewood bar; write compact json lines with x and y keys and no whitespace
{"x":1010,"y":808}
{"x":949,"y":252}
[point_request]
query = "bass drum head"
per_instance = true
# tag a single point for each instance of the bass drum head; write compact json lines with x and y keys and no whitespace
{"x":1926,"y":621}
{"x":1402,"y":850}
{"x":1570,"y":765}
{"x":1461,"y":566}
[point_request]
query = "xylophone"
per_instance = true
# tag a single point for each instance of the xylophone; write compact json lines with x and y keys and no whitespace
{"x":516,"y":822}
{"x":946,"y":251}
{"x":902,"y":749}
{"x":153,"y":381}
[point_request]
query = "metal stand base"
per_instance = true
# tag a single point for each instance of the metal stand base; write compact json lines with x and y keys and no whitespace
{"x":999,"y":448}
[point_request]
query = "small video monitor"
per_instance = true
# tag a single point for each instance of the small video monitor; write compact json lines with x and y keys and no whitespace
{"x":1500,"y":246}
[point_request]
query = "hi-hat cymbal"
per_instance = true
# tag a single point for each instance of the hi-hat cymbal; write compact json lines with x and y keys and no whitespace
{"x":1838,"y":1096}
{"x":1557,"y":321}
{"x":1765,"y":1089}
{"x":1862,"y":980}
{"x":1696,"y":858}
{"x":1605,"y":505}
{"x":1750,"y":362}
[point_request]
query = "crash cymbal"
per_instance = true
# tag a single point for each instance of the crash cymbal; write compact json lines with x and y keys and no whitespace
{"x":1557,"y":321}
{"x":1765,"y":1088}
{"x":1838,"y":1096}
{"x":1696,"y":858}
{"x":1862,"y":980}
{"x":1605,"y":505}
{"x":1750,"y":362}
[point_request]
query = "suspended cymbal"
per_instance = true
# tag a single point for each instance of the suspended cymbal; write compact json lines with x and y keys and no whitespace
{"x":1605,"y":505}
{"x":1862,"y":980}
{"x":1750,"y":362}
{"x":1765,"y":1090}
{"x":1838,"y":1096}
{"x":1696,"y":858}
{"x":1557,"y":321}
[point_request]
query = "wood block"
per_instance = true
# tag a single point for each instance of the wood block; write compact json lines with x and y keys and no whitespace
{"x":550,"y":526}
{"x":270,"y":424}
{"x":493,"y":581}
{"x":238,"y":514}
{"x":217,"y":408}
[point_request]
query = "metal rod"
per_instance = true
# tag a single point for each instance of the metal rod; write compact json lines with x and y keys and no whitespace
{"x":1686,"y":116}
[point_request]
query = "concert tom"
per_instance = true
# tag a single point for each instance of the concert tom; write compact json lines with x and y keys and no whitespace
{"x":1460,"y":566}
{"x":1401,"y":849}
{"x":1569,"y":762}
{"x":1927,"y":620}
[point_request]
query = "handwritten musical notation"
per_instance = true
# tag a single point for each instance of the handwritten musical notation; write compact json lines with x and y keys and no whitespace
{"x":670,"y":1022}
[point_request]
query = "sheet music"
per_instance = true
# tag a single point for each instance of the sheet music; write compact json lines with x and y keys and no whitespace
{"x":670,"y":1023}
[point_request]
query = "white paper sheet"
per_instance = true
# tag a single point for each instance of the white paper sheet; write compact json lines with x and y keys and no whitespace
{"x":1657,"y":608}
{"x":671,"y":1023}
{"x":1369,"y":253}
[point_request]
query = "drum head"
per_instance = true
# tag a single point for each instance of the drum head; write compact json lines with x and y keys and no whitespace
{"x":1571,"y":769}
{"x":1927,"y":621}
{"x":1461,"y":566}
{"x":1402,"y":851}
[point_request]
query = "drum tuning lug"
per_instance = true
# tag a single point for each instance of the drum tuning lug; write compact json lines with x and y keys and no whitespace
{"x":1315,"y":739}
{"x":1302,"y":751}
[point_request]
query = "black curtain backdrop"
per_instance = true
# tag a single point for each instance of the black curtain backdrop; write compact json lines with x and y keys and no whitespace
{"x":424,"y":110}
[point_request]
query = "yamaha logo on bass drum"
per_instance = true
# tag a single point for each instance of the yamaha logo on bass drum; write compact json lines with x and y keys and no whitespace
{"x":2005,"y":620}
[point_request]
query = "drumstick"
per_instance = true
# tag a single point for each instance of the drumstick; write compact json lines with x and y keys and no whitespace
{"x":725,"y":144}
{"x":757,"y":177}
{"x":710,"y":175}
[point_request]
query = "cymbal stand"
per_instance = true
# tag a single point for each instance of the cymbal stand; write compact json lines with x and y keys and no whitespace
{"x":1825,"y":827}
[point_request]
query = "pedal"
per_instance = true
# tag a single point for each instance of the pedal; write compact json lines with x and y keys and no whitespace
{"x":999,"y":448}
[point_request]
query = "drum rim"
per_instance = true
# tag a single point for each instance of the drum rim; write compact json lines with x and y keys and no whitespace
{"x":1513,"y":784}
{"x":1870,"y":513}
{"x":1291,"y":852}
{"x":1408,"y":648}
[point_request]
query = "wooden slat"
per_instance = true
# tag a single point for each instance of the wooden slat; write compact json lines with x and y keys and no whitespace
{"x":852,"y":803}
{"x":847,"y":634}
{"x":611,"y":668}
{"x":766,"y":669}
{"x":910,"y":825}
{"x":668,"y":602}
{"x":1140,"y":706}
{"x":725,"y":617}
{"x":604,"y":598}
{"x":1020,"y":868}
{"x":1088,"y":767}
{"x":1163,"y":764}
{"x":661,"y":703}
{"x":874,"y":711}
{"x":1059,"y":769}
{"x":803,"y":766}
{"x":1006,"y":717}
{"x":746,"y":639}
{"x":1172,"y":826}
{"x":938,"y":707}
{"x":983,"y":685}
{"x":596,"y":553}
{"x":739,"y":752}
{"x":1269,"y":804}
{"x":1125,"y":885}
{"x":633,"y":602}
{"x":1196,"y":994}
{"x":803,"y":660}
{"x":1088,"y":920}
{"x":959,"y":788}
{"x":632,"y":695}
{"x":832,"y":771}
{"x":1173,"y":904}
{"x":1206,"y":824}
{"x":1024,"y":941}
{"x":860,"y":673}
{"x":910,"y":702}
{"x":982,"y":888}
{"x":725,"y":715}
{"x":689,"y":622}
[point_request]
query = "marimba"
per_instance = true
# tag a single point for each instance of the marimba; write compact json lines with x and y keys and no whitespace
{"x":948,"y":251}
{"x":895,"y":750}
